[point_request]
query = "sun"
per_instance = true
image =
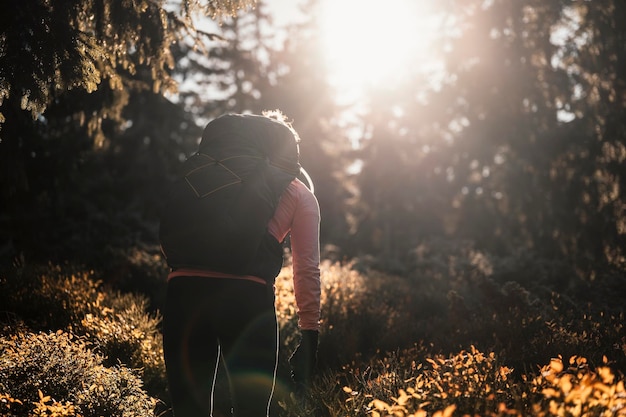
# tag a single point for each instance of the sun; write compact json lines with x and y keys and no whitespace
{"x":368,"y":42}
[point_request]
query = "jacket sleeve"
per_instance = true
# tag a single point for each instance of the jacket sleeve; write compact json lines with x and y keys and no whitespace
{"x":298,"y":213}
{"x":305,"y":249}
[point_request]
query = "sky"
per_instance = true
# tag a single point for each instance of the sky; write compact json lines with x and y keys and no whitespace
{"x":284,"y":11}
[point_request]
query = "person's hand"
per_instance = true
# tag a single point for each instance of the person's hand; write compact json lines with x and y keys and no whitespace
{"x":303,"y":361}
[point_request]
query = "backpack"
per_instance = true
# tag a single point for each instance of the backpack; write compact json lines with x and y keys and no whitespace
{"x":216,"y":213}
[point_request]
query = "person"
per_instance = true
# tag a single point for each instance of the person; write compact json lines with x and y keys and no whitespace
{"x":227,"y":314}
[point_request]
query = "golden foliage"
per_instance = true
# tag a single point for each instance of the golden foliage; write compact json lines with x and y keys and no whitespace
{"x":405,"y":387}
{"x":58,"y":374}
{"x":472,"y":384}
{"x":5,"y":403}
{"x":574,"y":389}
{"x":115,"y":326}
{"x":218,"y":9}
{"x":54,"y":409}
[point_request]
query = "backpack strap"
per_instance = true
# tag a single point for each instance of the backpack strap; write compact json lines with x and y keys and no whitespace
{"x":210,"y":174}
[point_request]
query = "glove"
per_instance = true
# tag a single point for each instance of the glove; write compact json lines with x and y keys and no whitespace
{"x":303,"y":360}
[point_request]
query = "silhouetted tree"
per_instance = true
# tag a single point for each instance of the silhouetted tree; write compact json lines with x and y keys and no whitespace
{"x":534,"y":156}
{"x":522,"y":144}
{"x":67,"y":75}
{"x":298,"y":85}
{"x":229,"y":76}
{"x":500,"y":114}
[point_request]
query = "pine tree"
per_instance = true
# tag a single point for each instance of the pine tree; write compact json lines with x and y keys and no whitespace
{"x":228,"y":77}
{"x":67,"y":75}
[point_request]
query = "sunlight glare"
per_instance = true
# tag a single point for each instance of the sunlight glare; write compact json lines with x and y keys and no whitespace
{"x":367,"y":43}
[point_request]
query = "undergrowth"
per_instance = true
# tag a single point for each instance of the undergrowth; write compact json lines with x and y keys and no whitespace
{"x":58,"y":374}
{"x":412,"y":383}
{"x":463,"y":334}
{"x":63,"y":331}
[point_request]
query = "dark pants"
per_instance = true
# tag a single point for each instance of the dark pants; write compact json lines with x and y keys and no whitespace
{"x":206,"y":319}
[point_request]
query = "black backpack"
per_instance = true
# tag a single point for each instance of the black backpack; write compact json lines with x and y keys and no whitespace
{"x":216,"y":214}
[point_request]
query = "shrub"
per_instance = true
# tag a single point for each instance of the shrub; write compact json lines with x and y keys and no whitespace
{"x":409,"y":383}
{"x":50,"y":296}
{"x":48,"y":373}
{"x":412,"y":383}
{"x":575,"y":389}
{"x":363,"y":313}
{"x":117,"y":325}
{"x":125,"y":333}
{"x":525,"y":308}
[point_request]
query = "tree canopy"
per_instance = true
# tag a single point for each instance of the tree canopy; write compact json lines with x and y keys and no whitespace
{"x":70,"y":76}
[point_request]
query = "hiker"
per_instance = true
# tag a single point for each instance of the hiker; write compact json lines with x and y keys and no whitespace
{"x":222,"y":234}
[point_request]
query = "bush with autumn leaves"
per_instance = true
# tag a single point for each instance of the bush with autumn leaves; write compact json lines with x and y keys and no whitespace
{"x":71,"y":346}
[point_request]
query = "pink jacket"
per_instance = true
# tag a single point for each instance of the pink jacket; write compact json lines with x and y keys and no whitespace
{"x":297,"y":213}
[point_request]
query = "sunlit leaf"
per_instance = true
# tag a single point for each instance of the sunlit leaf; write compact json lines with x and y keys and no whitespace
{"x":550,"y":392}
{"x":380,"y":405}
{"x":556,"y":364}
{"x":606,"y":374}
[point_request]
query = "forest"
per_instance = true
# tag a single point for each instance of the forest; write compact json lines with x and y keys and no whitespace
{"x":472,"y":194}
